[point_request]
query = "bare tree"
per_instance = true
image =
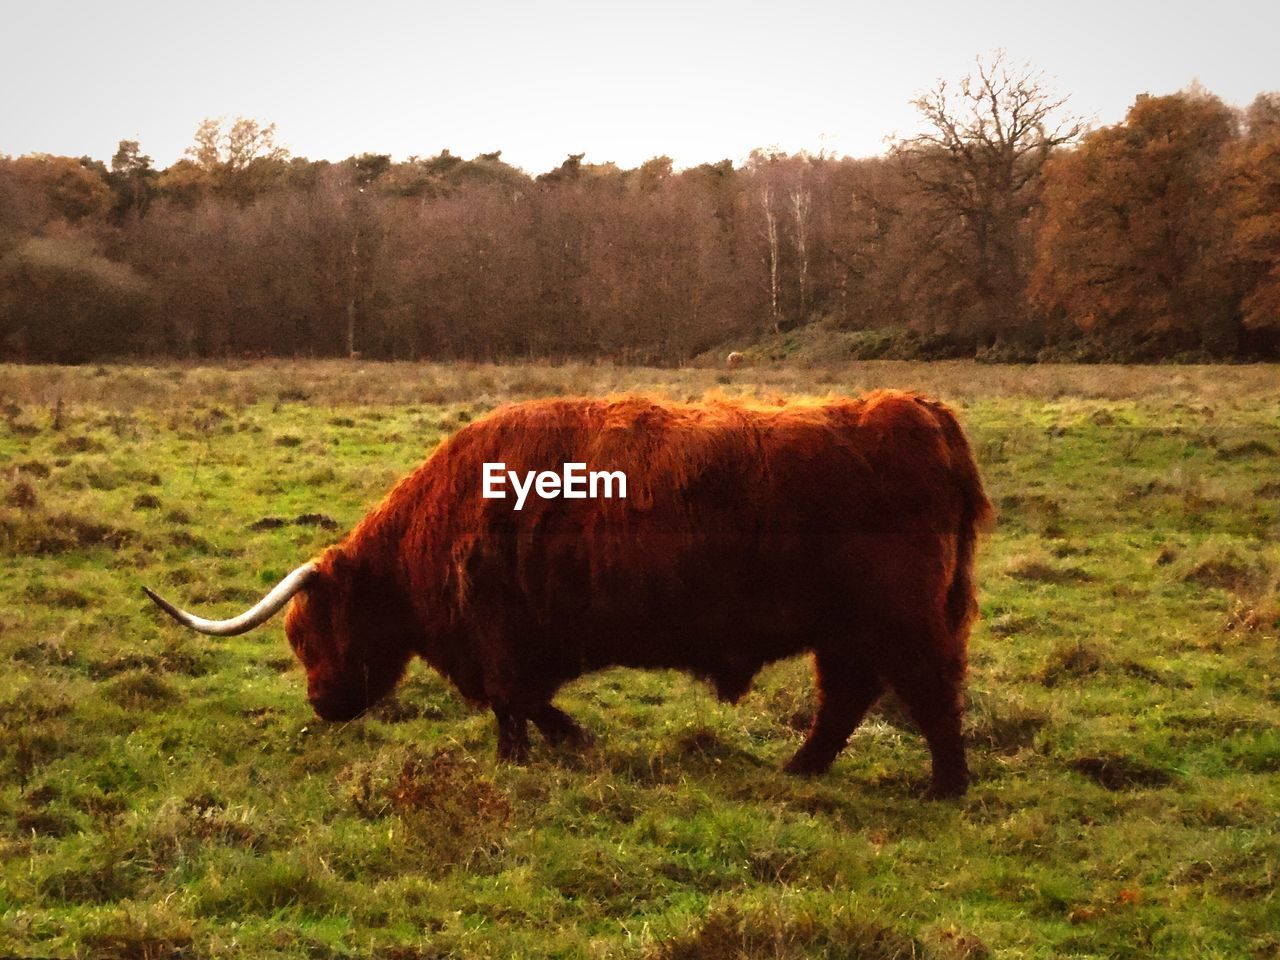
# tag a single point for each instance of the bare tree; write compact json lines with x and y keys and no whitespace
{"x":979,"y":165}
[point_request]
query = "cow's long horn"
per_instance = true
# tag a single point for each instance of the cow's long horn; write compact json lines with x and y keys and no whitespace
{"x":260,"y":613}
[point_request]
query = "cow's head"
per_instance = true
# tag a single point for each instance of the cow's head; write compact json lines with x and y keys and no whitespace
{"x":348,"y":629}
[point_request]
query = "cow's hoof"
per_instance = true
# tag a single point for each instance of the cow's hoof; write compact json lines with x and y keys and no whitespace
{"x":515,"y":754}
{"x":806,"y":765}
{"x":947,"y":790}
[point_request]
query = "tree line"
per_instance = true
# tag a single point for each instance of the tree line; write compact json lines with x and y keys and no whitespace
{"x":1005,"y":231}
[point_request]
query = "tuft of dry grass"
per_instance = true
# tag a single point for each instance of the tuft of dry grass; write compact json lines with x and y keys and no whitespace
{"x":730,"y":933}
{"x":1250,"y":448}
{"x":31,"y":534}
{"x":140,"y":688}
{"x":1004,"y":724}
{"x":1011,"y":625}
{"x":21,"y":495}
{"x":1038,"y":566}
{"x":1222,"y":566}
{"x":1120,"y":772}
{"x":445,"y":805}
{"x":1071,"y":662}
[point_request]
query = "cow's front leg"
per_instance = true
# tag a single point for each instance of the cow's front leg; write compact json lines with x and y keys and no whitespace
{"x":846,"y":691}
{"x":513,"y":734}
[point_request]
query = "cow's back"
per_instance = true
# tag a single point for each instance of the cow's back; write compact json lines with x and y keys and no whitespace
{"x":746,"y":534}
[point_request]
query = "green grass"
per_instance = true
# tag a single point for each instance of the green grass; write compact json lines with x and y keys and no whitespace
{"x":169,"y":795}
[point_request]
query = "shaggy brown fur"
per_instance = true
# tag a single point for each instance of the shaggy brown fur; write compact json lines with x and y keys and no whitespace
{"x":748,"y":534}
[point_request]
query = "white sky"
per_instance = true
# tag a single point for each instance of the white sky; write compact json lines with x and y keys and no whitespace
{"x":622,"y":81}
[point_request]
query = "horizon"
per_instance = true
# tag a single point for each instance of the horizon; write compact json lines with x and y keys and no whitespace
{"x":698,"y":86}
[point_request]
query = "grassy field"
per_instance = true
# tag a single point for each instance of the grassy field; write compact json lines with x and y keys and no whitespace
{"x":169,"y":795}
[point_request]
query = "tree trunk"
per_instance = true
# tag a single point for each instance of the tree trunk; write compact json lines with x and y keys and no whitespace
{"x":771,"y":235}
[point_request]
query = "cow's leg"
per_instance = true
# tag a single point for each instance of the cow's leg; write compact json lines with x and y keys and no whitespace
{"x":501,"y":675}
{"x":846,"y":691}
{"x":558,"y":727}
{"x":927,"y":673}
{"x":513,"y":734}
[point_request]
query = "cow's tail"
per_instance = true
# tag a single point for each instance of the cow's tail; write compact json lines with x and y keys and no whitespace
{"x":975,"y":514}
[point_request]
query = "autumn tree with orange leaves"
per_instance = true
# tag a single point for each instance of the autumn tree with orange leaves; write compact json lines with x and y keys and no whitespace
{"x":1252,"y":193}
{"x":1133,"y":247}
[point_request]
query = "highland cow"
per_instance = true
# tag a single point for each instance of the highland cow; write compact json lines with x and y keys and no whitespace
{"x":748,"y":533}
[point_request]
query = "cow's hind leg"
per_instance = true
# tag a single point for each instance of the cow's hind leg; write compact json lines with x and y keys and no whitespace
{"x":927,"y":673}
{"x":846,"y":692}
{"x":559,"y":728}
{"x":513,"y":734}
